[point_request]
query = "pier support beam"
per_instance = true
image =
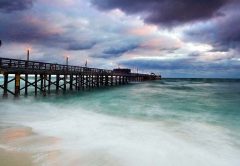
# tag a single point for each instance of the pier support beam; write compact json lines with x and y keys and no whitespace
{"x":35,"y":85}
{"x":5,"y":84}
{"x":71,"y":82}
{"x":106,"y":80}
{"x":64,"y":82}
{"x":97,"y":81}
{"x":49,"y":83}
{"x":101,"y":80}
{"x":120,"y":80}
{"x":92,"y":77}
{"x":26,"y":84}
{"x":111,"y":80}
{"x":17,"y":85}
{"x":41,"y":82}
{"x":57,"y":83}
{"x":44,"y":85}
{"x":116,"y":80}
{"x":76,"y":82}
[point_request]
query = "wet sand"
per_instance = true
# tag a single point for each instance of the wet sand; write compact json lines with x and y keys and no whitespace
{"x":9,"y":154}
{"x":18,"y":147}
{"x":13,"y":158}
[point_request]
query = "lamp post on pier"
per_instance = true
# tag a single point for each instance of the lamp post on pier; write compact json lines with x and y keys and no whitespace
{"x":67,"y":57}
{"x":28,"y":54}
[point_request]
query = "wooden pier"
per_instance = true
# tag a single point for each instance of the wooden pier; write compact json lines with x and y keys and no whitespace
{"x":44,"y":78}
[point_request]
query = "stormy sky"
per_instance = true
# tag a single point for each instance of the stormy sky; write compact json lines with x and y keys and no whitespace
{"x":177,"y":38}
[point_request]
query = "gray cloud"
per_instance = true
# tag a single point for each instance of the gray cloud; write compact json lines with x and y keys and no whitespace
{"x":15,"y":5}
{"x":187,"y":67}
{"x":166,"y":12}
{"x":24,"y":29}
{"x":118,"y":50}
{"x":33,"y":30}
{"x":81,"y":46}
{"x":188,"y":64}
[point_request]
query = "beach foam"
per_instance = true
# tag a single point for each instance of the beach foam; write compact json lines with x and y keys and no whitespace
{"x":90,"y":138}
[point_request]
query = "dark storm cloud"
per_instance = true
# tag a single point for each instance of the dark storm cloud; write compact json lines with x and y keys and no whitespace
{"x":14,"y":5}
{"x":223,"y":34}
{"x":166,"y":12}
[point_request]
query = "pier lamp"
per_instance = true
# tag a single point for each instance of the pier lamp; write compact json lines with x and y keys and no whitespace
{"x":67,"y":57}
{"x":28,"y":54}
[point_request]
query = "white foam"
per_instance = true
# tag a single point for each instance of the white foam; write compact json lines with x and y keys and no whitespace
{"x":90,"y":139}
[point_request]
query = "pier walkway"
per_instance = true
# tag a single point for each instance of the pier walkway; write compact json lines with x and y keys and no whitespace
{"x":43,"y":78}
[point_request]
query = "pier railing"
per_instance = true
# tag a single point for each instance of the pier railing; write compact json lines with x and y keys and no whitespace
{"x":16,"y":64}
{"x":62,"y":77}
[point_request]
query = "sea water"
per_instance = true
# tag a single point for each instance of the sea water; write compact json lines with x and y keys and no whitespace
{"x":190,"y":122}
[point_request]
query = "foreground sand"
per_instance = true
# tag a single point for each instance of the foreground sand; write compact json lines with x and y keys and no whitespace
{"x":17,"y":147}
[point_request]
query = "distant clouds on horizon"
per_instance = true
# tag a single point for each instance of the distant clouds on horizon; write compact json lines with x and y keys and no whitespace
{"x":178,"y":38}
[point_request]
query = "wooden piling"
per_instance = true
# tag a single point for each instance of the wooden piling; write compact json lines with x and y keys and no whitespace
{"x":17,"y":85}
{"x":35,"y":84}
{"x":49,"y":83}
{"x":26,"y":84}
{"x":57,"y":83}
{"x":71,"y":82}
{"x":64,"y":83}
{"x":5,"y":85}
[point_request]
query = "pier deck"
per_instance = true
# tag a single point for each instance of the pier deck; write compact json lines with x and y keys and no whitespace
{"x":46,"y":77}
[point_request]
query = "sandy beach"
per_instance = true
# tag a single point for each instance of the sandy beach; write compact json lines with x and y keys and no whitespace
{"x":16,"y":144}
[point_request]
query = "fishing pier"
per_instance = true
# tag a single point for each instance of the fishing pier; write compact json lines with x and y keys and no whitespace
{"x":44,"y":78}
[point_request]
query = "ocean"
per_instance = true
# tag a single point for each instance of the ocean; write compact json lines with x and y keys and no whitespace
{"x":184,"y":122}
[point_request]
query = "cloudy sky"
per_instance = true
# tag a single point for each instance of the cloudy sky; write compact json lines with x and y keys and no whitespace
{"x":177,"y":38}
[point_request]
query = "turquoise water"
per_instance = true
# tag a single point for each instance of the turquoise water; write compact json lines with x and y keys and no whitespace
{"x":167,"y":122}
